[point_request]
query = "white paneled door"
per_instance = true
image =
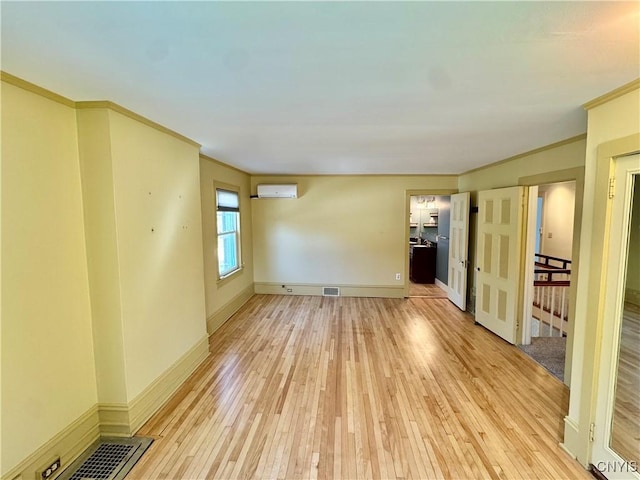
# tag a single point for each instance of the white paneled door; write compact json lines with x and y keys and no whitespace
{"x":499,"y":248}
{"x":458,"y":249}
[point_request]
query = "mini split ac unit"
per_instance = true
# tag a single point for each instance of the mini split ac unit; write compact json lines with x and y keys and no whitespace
{"x":278,"y":191}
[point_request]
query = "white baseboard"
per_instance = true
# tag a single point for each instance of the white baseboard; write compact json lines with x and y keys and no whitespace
{"x":381,"y":291}
{"x":442,"y":285}
{"x":224,"y":313}
{"x":68,"y":444}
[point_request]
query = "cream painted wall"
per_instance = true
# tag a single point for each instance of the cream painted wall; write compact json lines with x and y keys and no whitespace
{"x":156,"y":182}
{"x":48,"y":378}
{"x":557,"y":229}
{"x":341,"y":230}
{"x":508,"y":173}
{"x":608,"y":122}
{"x":220,"y":294}
{"x":94,"y":144}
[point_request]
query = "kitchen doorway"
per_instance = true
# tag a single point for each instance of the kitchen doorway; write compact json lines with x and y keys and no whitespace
{"x":429,"y":219}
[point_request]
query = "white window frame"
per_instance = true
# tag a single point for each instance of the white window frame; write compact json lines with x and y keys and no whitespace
{"x":238,"y":238}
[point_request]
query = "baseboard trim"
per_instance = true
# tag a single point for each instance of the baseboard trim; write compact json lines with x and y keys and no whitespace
{"x":68,"y":444}
{"x":224,"y":313}
{"x":571,"y":441}
{"x":160,"y":390}
{"x":114,"y":420}
{"x":111,"y":419}
{"x":381,"y":291}
{"x":564,"y":447}
{"x":442,"y":285}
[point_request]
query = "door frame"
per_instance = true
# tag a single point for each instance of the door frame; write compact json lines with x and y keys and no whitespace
{"x":576,"y":174}
{"x":617,"y":246}
{"x":407,"y":209}
{"x":531,"y":224}
{"x":531,"y":232}
{"x":543,"y":229}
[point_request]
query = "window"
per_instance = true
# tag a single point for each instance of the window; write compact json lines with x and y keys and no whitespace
{"x":228,"y":225}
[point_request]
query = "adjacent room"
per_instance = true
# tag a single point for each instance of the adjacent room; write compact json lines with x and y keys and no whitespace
{"x":329,"y":240}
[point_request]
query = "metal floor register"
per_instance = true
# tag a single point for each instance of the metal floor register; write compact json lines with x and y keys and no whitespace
{"x":107,"y":459}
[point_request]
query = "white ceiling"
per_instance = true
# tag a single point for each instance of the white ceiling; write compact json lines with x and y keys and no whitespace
{"x":363,"y":87}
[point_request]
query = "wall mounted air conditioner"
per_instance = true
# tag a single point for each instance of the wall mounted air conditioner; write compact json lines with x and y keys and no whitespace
{"x":278,"y":191}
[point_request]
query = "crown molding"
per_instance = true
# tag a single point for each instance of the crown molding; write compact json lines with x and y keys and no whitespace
{"x":133,"y":115}
{"x":613,"y":94}
{"x":43,"y":92}
{"x":551,"y":146}
{"x":30,"y":87}
{"x":222,"y":164}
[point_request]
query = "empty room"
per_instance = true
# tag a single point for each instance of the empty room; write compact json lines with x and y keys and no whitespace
{"x":320,"y":240}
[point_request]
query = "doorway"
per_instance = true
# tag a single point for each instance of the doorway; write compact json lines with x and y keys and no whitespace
{"x":427,"y":213}
{"x":548,"y":274}
{"x":428,"y":245}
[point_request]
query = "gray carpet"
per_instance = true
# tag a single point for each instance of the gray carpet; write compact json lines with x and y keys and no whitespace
{"x":548,"y":352}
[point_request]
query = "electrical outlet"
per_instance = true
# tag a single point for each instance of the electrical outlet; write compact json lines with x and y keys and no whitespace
{"x":550,"y":235}
{"x":398,"y":277}
{"x":289,"y":290}
{"x":51,"y":469}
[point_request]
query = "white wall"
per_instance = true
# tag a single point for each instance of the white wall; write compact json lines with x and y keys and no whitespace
{"x":559,"y":208}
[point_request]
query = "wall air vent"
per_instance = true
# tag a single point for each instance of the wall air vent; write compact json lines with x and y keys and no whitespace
{"x":330,"y":291}
{"x":277,"y":191}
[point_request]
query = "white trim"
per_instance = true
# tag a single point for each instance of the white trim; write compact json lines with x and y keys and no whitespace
{"x":443,"y":286}
{"x":529,"y":265}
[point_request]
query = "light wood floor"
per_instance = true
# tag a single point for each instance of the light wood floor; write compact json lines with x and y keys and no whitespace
{"x":426,"y":290}
{"x":354,"y":388}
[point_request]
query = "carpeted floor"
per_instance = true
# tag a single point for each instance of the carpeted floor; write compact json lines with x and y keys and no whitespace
{"x":548,"y":352}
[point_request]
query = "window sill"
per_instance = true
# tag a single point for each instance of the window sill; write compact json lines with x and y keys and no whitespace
{"x":229,"y":276}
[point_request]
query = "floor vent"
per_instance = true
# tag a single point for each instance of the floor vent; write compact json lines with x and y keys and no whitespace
{"x":331,"y":291}
{"x":107,"y":459}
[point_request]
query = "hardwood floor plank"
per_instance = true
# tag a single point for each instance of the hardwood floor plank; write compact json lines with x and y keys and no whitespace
{"x":356,"y":388}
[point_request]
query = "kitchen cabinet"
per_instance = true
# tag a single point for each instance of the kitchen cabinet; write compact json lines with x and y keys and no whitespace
{"x":422,"y":264}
